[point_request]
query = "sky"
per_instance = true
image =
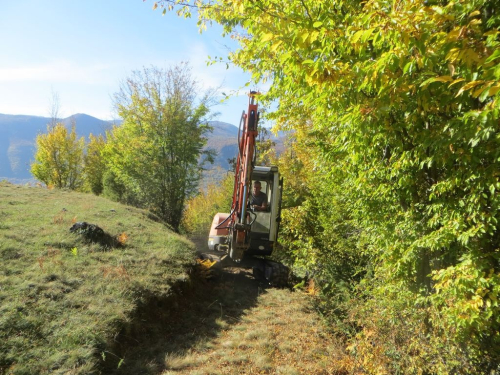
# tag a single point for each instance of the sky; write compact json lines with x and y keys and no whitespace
{"x":80,"y":51}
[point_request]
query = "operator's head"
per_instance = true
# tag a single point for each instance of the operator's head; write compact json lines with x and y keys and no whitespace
{"x":257,"y":186}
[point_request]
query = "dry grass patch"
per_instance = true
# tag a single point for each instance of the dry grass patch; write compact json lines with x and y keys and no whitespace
{"x":277,"y":336}
{"x":178,"y":362}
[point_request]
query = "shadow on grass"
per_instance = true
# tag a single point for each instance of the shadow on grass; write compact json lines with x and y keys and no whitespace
{"x":195,"y":313}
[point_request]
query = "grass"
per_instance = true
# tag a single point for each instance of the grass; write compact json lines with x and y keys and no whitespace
{"x":65,"y":301}
{"x":272,"y":331}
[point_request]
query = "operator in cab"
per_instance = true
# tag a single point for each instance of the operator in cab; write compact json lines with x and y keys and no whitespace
{"x":258,"y":200}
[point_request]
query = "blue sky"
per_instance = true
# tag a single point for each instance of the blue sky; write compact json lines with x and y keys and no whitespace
{"x":82,"y":49}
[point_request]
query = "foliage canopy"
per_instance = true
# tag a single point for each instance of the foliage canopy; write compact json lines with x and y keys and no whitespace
{"x":94,"y":164}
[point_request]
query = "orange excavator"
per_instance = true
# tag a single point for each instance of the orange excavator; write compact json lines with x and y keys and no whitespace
{"x":249,"y":232}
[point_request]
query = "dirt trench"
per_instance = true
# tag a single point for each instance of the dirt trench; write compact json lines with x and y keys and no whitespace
{"x":224,"y":321}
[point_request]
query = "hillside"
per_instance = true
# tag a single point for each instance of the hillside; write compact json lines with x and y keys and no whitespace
{"x":68,"y":299}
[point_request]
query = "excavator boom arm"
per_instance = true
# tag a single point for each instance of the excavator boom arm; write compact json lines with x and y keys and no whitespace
{"x":238,"y":221}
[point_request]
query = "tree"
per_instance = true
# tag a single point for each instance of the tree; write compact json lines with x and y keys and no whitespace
{"x":403,"y":106}
{"x":265,"y":146}
{"x":94,"y":164}
{"x":158,"y":151}
{"x":59,"y":157}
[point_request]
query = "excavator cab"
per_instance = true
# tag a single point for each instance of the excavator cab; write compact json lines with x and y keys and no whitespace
{"x":265,"y":224}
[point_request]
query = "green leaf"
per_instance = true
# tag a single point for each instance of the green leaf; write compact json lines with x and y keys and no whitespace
{"x":357,"y":35}
{"x":366,"y":35}
{"x":408,"y":68}
{"x":436,"y":79}
{"x":484,"y":94}
{"x":495,"y":55}
{"x":267,"y":37}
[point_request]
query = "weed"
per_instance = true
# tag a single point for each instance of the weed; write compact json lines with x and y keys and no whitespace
{"x":262,"y":361}
{"x":178,"y":362}
{"x":221,"y":323}
{"x":229,"y":344}
{"x":252,"y":335}
{"x":122,"y":238}
{"x":287,"y":370}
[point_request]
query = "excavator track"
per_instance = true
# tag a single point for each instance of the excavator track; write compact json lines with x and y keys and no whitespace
{"x":272,"y":273}
{"x":279,"y":274}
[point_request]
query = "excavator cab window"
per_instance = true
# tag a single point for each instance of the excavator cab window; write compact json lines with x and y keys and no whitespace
{"x":262,"y":221}
{"x":265,"y":189}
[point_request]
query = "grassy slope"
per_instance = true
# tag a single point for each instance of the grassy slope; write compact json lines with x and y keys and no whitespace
{"x":63,"y":299}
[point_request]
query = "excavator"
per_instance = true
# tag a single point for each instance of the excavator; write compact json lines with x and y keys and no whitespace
{"x":245,"y":232}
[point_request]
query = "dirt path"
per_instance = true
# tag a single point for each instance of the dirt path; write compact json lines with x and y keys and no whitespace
{"x":230,"y":323}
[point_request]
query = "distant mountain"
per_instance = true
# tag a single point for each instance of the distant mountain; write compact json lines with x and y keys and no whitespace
{"x":223,"y":129}
{"x":18,"y":134}
{"x":86,"y":124}
{"x":223,"y":139}
{"x":17,"y":140}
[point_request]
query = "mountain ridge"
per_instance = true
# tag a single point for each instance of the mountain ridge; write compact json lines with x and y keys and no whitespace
{"x":18,"y":134}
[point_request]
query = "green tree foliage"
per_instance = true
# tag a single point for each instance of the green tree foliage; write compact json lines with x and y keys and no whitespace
{"x":58,"y":157}
{"x":94,"y":164}
{"x":317,"y":233}
{"x":266,"y":147}
{"x":157,"y":153}
{"x":115,"y":189}
{"x":402,"y":99}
